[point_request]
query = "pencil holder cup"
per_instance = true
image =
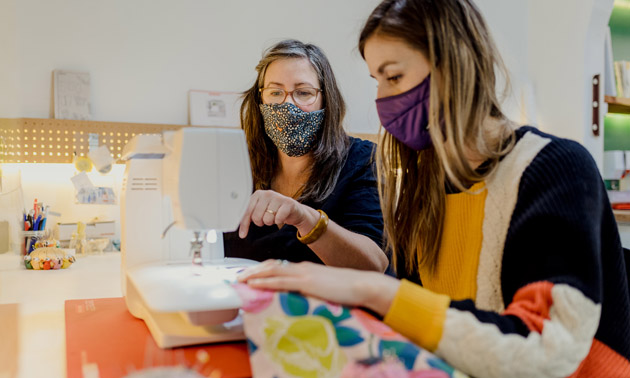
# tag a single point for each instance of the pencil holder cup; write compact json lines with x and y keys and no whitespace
{"x":29,"y":238}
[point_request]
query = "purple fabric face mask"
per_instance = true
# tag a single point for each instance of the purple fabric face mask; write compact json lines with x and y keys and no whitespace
{"x":406,"y":116}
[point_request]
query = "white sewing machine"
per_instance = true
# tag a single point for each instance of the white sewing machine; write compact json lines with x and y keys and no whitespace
{"x":199,"y":180}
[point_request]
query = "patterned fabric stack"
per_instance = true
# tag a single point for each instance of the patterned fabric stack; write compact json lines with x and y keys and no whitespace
{"x":289,"y":335}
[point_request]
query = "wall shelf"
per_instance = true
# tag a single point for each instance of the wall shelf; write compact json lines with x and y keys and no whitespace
{"x":618,"y":104}
{"x":33,"y":140}
{"x":622,"y":216}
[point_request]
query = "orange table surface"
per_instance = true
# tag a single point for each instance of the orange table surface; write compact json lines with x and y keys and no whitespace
{"x":101,"y":334}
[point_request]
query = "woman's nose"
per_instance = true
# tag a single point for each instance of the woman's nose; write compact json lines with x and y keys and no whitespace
{"x":289,"y":98}
{"x":379,"y":92}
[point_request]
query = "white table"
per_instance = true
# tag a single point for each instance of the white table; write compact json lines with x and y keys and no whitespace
{"x":41,"y":296}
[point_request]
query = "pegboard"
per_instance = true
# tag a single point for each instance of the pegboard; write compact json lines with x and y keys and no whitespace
{"x":31,"y":140}
{"x":34,"y":140}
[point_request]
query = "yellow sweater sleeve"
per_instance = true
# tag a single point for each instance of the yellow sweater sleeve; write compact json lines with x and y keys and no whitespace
{"x":418,"y":314}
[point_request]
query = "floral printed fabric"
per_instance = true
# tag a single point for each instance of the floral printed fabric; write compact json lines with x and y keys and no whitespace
{"x":290,"y":335}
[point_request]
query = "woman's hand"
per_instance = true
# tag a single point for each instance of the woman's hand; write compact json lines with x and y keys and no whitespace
{"x":267,"y":207}
{"x":344,"y":286}
{"x":337,"y":246}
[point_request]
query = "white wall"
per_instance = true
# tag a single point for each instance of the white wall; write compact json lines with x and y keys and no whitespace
{"x":566,"y":48}
{"x":510,"y":32}
{"x":8,"y":60}
{"x":144,"y":55}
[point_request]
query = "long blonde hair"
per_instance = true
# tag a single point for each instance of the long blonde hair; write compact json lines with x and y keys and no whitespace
{"x":454,"y":38}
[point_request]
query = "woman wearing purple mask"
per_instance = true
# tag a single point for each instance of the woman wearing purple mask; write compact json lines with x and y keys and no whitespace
{"x":503,"y":238}
{"x":316,"y":195}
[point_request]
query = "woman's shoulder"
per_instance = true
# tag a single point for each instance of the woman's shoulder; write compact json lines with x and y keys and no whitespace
{"x":360,"y":150}
{"x":553,"y":148}
{"x":546,"y":155}
{"x":360,"y":159}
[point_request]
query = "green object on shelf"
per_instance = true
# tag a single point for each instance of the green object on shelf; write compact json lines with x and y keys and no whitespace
{"x":620,"y":17}
{"x":617,"y":132}
{"x":611,"y":184}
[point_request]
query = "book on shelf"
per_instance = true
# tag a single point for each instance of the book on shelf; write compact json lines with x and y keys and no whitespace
{"x":610,"y":87}
{"x":622,"y":76}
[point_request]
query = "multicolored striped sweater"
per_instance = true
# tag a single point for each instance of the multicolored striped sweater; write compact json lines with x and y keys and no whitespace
{"x":531,"y":278}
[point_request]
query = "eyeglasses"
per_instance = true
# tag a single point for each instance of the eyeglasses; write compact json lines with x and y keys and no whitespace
{"x":301,"y":96}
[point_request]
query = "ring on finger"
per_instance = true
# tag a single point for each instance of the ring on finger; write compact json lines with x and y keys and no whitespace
{"x":270,"y":211}
{"x":283,"y":262}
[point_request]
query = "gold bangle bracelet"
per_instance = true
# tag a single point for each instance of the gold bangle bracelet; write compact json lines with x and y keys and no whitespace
{"x":317,"y":231}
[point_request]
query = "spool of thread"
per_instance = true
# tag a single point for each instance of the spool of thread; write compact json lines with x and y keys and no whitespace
{"x":82,"y":163}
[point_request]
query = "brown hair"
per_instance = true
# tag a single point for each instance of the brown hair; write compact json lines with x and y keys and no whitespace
{"x":331,"y":150}
{"x":454,"y":38}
